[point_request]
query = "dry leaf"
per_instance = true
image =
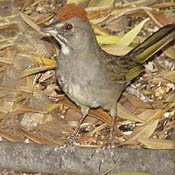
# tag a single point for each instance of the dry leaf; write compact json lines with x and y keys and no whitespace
{"x":160,"y":17}
{"x":157,"y":143}
{"x":137,"y":102}
{"x":148,"y":114}
{"x":10,"y":137}
{"x":125,"y":114}
{"x":37,"y":139}
{"x":116,"y":49}
{"x":170,"y":76}
{"x":144,"y":131}
{"x":128,"y":38}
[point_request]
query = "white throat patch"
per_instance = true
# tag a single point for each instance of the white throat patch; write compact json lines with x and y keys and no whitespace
{"x":64,"y":48}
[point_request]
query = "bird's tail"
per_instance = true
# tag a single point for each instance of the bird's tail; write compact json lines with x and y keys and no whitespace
{"x":157,"y":41}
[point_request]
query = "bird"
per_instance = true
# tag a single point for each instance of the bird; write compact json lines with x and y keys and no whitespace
{"x":89,"y":76}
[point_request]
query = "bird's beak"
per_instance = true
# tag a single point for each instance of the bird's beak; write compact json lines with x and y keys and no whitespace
{"x":53,"y":28}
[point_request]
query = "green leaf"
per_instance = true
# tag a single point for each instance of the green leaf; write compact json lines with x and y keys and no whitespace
{"x":108,"y":39}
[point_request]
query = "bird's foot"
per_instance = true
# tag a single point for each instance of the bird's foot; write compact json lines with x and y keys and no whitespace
{"x":72,"y":140}
{"x":109,"y":145}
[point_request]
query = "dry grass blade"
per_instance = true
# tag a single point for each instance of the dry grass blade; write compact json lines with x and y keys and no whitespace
{"x":20,"y":88}
{"x":6,"y":60}
{"x":10,"y":137}
{"x":22,"y":109}
{"x":7,"y":18}
{"x":163,"y":5}
{"x":25,"y":89}
{"x":157,"y":143}
{"x":8,"y":42}
{"x":4,"y":110}
{"x":30,"y":22}
{"x":35,"y":138}
{"x":44,"y":19}
{"x":10,"y":26}
{"x":35,"y":70}
{"x":43,"y":61}
{"x":40,"y":60}
{"x":97,"y":129}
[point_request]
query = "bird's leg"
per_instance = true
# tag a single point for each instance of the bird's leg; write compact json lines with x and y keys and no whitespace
{"x":112,"y":130}
{"x":113,"y":116}
{"x":84,"y":111}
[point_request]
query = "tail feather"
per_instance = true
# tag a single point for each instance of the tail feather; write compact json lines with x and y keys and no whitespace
{"x":148,"y":48}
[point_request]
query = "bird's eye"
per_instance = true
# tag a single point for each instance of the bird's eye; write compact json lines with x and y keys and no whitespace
{"x":68,"y":26}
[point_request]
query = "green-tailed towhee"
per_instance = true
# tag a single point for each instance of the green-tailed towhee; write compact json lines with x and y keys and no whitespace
{"x":89,"y":76}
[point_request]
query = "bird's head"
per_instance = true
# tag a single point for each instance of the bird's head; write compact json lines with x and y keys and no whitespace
{"x":72,"y":33}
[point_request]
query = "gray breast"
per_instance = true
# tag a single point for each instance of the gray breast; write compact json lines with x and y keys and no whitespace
{"x":76,"y":89}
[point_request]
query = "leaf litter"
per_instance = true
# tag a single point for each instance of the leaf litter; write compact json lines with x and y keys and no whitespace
{"x":33,"y":107}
